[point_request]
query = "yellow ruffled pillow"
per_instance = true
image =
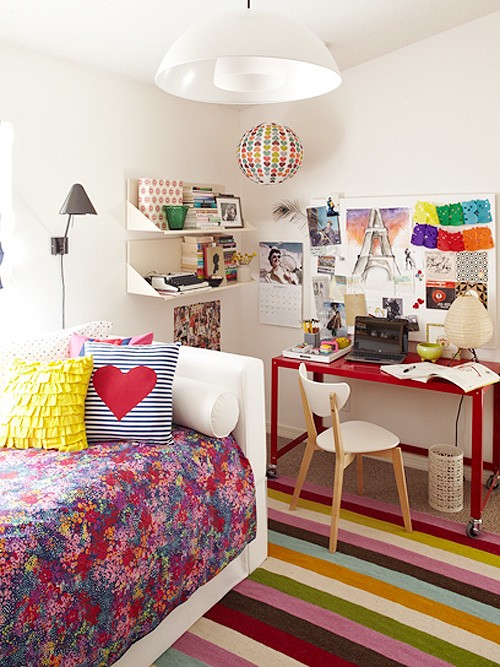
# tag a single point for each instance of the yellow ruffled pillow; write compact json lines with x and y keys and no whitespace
{"x":42,"y":405}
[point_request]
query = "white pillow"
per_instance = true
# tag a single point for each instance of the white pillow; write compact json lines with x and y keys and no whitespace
{"x":204,"y":407}
{"x":47,"y":346}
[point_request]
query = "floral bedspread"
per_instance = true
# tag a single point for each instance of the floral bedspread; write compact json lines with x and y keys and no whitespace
{"x":98,"y":546}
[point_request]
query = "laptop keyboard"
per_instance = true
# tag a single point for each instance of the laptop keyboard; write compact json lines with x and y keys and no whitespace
{"x":376,"y":357}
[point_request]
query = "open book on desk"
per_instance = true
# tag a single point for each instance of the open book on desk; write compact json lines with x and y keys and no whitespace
{"x":468,"y":376}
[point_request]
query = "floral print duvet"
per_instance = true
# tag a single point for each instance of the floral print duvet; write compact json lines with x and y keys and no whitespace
{"x":98,"y":546}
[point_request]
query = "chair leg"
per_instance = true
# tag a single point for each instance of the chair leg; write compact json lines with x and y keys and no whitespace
{"x":337,"y":497}
{"x":399,"y":472}
{"x":359,"y":471}
{"x":304,"y":467}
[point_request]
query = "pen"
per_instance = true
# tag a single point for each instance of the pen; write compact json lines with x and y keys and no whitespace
{"x":410,"y":368}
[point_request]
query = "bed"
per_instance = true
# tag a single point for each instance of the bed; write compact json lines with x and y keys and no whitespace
{"x":102,"y":560}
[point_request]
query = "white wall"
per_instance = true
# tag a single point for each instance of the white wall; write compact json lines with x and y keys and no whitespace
{"x":421,"y":120}
{"x":76,"y":124}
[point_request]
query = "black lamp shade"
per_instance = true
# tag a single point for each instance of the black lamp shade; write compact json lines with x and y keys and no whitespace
{"x":77,"y":202}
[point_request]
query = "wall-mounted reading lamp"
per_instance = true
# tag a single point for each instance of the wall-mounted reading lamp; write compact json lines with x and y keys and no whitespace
{"x":77,"y":203}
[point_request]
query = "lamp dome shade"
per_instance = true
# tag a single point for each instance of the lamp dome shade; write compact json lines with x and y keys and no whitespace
{"x":270,"y":153}
{"x":468,"y":324}
{"x":248,"y":57}
{"x":77,"y":202}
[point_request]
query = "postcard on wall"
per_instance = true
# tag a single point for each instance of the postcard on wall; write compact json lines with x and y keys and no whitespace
{"x":280,"y":286}
{"x":440,"y":295}
{"x":321,"y":291}
{"x":198,"y":325}
{"x":326,"y":264}
{"x":440,"y":265}
{"x":336,"y":323}
{"x":323,"y":222}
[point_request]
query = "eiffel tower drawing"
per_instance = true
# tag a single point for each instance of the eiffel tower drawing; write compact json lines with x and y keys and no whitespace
{"x":376,"y":251}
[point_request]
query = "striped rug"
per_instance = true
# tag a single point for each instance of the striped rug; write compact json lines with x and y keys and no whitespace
{"x":385,"y":598}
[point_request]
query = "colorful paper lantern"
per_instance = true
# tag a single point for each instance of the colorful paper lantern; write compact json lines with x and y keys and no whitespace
{"x":270,"y":153}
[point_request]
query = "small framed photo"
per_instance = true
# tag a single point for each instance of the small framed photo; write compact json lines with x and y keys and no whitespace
{"x":435,"y":333}
{"x":229,"y":209}
{"x":214,"y":262}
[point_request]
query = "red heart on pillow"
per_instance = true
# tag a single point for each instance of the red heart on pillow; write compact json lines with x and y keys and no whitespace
{"x":123,"y":391}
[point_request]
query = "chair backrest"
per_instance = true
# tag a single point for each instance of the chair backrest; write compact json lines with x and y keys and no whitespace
{"x":318,"y":393}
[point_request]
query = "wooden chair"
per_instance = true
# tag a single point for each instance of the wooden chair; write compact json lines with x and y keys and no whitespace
{"x":349,"y":440}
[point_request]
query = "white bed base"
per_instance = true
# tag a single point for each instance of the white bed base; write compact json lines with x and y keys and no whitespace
{"x":244,"y":376}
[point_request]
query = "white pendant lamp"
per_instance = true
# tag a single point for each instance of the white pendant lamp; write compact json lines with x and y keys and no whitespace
{"x":248,"y":57}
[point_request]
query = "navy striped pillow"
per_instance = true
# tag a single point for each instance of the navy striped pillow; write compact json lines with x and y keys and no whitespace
{"x":130,"y":392}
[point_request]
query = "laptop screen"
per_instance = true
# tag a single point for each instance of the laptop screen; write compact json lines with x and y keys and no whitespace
{"x":375,"y":334}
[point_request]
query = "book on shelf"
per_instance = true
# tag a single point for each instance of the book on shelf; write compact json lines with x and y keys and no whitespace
{"x":193,"y":249}
{"x":194,"y":240}
{"x":197,"y":219}
{"x":202,"y":188}
{"x":201,"y":224}
{"x":468,"y":376}
{"x":204,"y":201}
{"x":198,"y":270}
{"x":199,"y":245}
{"x":190,"y":190}
{"x":227,"y":245}
{"x":194,"y":260}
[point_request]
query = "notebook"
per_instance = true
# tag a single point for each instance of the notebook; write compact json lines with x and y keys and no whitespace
{"x":379,"y":341}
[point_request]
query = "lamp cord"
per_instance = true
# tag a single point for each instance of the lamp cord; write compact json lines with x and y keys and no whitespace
{"x":63,"y":282}
{"x":457,"y":418}
{"x":63,"y":292}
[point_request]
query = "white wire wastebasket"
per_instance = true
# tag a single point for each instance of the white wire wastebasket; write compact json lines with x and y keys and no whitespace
{"x":446,"y":478}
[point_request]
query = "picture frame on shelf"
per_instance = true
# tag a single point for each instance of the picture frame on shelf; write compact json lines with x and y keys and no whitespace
{"x":214,"y":262}
{"x":229,"y":210}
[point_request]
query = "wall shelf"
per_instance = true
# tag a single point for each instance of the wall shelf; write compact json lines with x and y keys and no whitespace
{"x":145,"y":256}
{"x":138,"y":222}
{"x":162,"y":252}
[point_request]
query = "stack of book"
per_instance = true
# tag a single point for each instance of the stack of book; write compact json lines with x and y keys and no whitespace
{"x":202,"y":212}
{"x":192,"y":258}
{"x":227,"y":242}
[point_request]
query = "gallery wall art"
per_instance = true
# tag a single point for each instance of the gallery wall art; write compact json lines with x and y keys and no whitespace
{"x":411,"y":256}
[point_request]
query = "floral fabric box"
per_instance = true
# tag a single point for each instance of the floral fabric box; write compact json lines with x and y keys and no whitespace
{"x":154,"y":193}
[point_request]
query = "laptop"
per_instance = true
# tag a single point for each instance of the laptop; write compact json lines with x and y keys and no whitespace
{"x":379,"y":341}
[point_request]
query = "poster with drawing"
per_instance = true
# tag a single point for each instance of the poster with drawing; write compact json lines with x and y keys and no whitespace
{"x":280,"y":285}
{"x":412,"y":255}
{"x":198,"y":325}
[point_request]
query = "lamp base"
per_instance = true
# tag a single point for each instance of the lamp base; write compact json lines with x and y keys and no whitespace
{"x":472,"y":350}
{"x":59,"y":245}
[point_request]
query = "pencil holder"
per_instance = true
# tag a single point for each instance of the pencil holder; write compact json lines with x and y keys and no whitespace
{"x":312,"y":339}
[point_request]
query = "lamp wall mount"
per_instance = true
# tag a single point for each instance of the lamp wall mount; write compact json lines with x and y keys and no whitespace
{"x":59,"y":245}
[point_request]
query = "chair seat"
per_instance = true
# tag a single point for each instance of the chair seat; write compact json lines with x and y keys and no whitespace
{"x":359,"y":437}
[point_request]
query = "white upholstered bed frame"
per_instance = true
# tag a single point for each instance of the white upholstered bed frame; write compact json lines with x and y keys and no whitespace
{"x":244,"y":376}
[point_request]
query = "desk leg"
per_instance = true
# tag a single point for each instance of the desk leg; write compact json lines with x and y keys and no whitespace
{"x":496,"y":432}
{"x":273,"y":465}
{"x":476,"y":485}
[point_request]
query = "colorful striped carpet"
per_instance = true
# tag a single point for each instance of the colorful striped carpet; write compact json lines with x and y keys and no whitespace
{"x":385,"y":598}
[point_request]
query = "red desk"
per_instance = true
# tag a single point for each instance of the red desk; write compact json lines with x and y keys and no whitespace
{"x":372,"y":373}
